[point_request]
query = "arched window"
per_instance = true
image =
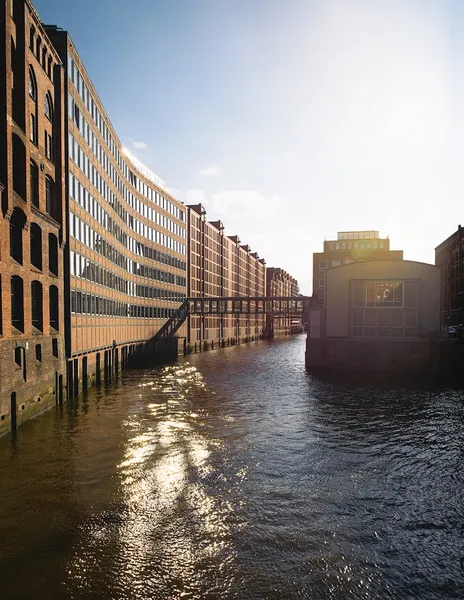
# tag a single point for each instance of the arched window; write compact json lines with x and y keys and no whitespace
{"x":17,"y":303}
{"x":34,"y":183}
{"x":53,"y":254}
{"x":36,"y":246}
{"x":48,"y":106}
{"x":32,"y":85}
{"x":37,"y":305}
{"x":31,"y":37}
{"x":53,"y":297}
{"x":33,"y":114}
{"x":19,"y":167}
{"x":17,"y":222}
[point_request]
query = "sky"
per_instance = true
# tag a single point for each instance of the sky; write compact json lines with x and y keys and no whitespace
{"x":290,"y":120}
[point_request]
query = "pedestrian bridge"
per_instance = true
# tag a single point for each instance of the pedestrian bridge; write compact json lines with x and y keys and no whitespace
{"x":273,"y":306}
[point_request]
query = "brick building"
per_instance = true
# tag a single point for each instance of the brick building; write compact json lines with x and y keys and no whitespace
{"x":126,"y":258}
{"x":449,"y":256}
{"x":220,"y":266}
{"x":349,"y":247}
{"x":32,"y":219}
{"x":280,"y":283}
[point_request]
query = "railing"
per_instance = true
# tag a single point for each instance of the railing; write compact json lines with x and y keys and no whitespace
{"x":253,"y":305}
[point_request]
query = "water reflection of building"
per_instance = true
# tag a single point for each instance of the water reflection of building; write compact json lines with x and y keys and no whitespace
{"x":378,"y":316}
{"x":449,"y":256}
{"x":221,"y":266}
{"x":32,"y":231}
{"x":349,"y":247}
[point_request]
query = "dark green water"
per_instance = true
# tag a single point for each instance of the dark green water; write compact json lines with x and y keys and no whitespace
{"x":234,"y":474}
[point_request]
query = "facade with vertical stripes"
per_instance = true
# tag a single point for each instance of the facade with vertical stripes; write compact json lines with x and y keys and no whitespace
{"x":127,"y":236}
{"x":220,"y":266}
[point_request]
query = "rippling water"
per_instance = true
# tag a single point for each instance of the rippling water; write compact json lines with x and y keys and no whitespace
{"x":236,"y":475}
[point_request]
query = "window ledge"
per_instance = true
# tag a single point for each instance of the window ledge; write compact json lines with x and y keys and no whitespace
{"x":15,"y":331}
{"x":36,"y":331}
{"x":35,"y":269}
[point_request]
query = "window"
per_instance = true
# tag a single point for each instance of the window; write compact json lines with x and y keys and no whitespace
{"x":384,"y":294}
{"x":321,"y":283}
{"x":336,"y":263}
{"x":378,"y":310}
{"x":53,"y":254}
{"x":31,"y":38}
{"x":32,"y":85}
{"x":17,"y":222}
{"x":53,"y":297}
{"x":37,"y":305}
{"x":34,"y":183}
{"x":48,"y":106}
{"x":33,"y":127}
{"x":55,"y":347}
{"x":322,"y":265}
{"x":19,"y":167}
{"x":50,"y":198}
{"x":36,"y":246}
{"x":48,"y":146}
{"x":38,"y":352}
{"x":17,"y":303}
{"x":77,"y":116}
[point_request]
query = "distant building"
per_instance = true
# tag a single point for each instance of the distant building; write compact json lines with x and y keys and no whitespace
{"x":279,"y":283}
{"x":349,"y":247}
{"x":378,"y":316}
{"x":449,"y":256}
{"x":220,"y":266}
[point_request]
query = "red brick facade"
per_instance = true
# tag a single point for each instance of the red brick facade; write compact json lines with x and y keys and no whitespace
{"x":32,"y":231}
{"x":220,"y":266}
{"x":280,"y":283}
{"x":449,"y":256}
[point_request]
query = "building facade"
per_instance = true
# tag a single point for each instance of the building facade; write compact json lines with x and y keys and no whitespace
{"x":449,"y":257}
{"x":349,"y":247}
{"x":126,"y":267}
{"x":32,"y":219}
{"x":279,"y":283}
{"x":378,"y":316}
{"x":220,"y":266}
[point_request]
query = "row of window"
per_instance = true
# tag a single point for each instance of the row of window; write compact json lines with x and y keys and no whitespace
{"x":86,"y":269}
{"x":40,"y":51}
{"x":144,"y":209}
{"x":323,"y":264}
{"x":93,"y":175}
{"x":17,"y":223}
{"x":356,"y":245}
{"x":87,"y":201}
{"x":36,"y":306}
{"x":89,"y":304}
{"x":92,"y":108}
{"x":85,"y":234}
{"x":34,"y":116}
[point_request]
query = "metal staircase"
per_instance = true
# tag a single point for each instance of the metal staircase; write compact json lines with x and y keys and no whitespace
{"x":173,"y":323}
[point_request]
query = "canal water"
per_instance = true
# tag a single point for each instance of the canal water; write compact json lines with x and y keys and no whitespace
{"x":235,"y":475}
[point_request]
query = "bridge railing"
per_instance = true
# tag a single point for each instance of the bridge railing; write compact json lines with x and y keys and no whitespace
{"x":285,"y":306}
{"x":277,"y":306}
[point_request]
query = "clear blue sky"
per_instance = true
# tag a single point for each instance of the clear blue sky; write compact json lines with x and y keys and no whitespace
{"x":290,"y":119}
